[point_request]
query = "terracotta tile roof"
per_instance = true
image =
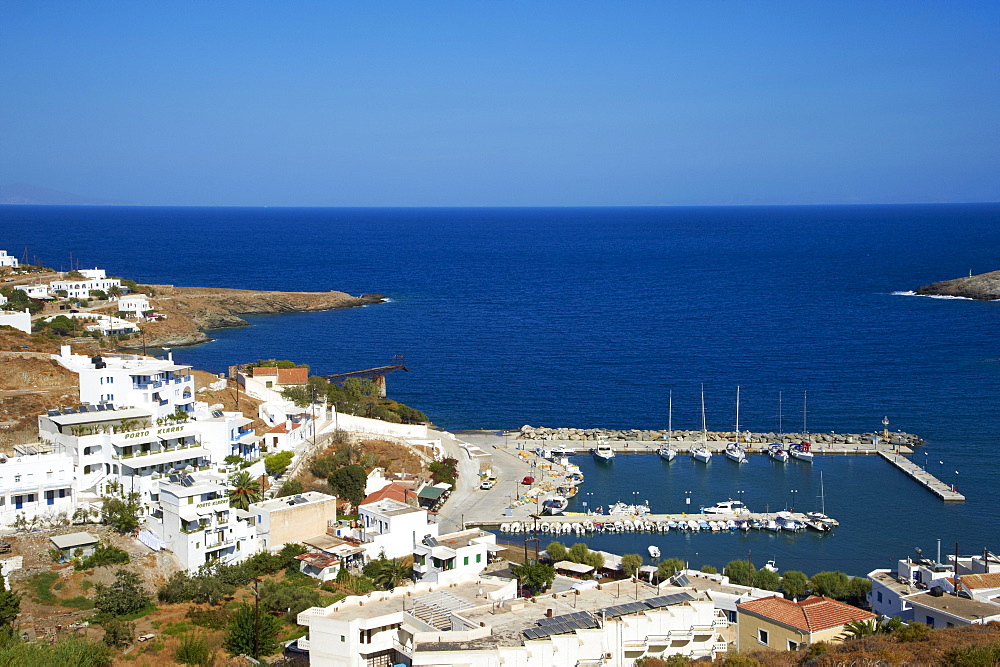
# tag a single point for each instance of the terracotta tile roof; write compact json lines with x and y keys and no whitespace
{"x":282,"y":428}
{"x":393,"y":491}
{"x":974,"y":581}
{"x":264,"y":370}
{"x":293,"y":375}
{"x":810,"y":615}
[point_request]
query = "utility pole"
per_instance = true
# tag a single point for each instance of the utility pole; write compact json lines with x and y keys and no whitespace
{"x":256,"y":617}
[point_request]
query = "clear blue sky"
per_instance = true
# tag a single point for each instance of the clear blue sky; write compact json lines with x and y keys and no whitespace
{"x":503,"y":103}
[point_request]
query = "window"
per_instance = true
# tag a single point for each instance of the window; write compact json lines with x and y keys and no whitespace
{"x":793,"y":646}
{"x":879,"y":596}
{"x":479,"y":558}
{"x":343,"y":638}
{"x":762,"y":636}
{"x":17,"y":479}
{"x":466,"y":561}
{"x":930,"y":621}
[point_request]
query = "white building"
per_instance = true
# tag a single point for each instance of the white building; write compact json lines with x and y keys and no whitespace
{"x":465,"y":552}
{"x":198,"y":524}
{"x":39,"y":291}
{"x":8,"y":260}
{"x":289,"y":434}
{"x":392,"y":527}
{"x":478,"y":622}
{"x":891,"y":590}
{"x":134,"y":305}
{"x":157,"y":385}
{"x":20,"y":321}
{"x":36,"y":483}
{"x":946,"y":610}
{"x":93,"y":274}
{"x":106,"y":324}
{"x":724,"y":594}
{"x":80,"y":289}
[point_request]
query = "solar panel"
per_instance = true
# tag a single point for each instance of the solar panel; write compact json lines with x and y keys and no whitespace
{"x":101,"y":407}
{"x":174,"y":478}
{"x":187,"y":481}
{"x":52,"y":413}
{"x":217,"y":413}
{"x":624,"y":609}
{"x":431,"y":541}
{"x":667,"y":600}
{"x":682,"y":580}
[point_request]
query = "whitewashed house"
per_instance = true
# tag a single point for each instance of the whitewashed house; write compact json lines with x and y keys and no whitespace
{"x":464,"y":552}
{"x":80,"y":289}
{"x":134,"y":306}
{"x":36,"y":483}
{"x":105,"y":324}
{"x":20,"y":321}
{"x":391,"y":527}
{"x":39,"y":291}
{"x":8,"y":260}
{"x":892,"y":589}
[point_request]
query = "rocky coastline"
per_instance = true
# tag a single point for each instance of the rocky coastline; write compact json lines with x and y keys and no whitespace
{"x":981,"y":287}
{"x":636,"y":435}
{"x":191,"y":311}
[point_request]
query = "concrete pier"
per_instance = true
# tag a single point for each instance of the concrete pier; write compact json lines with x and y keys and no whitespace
{"x":924,"y":478}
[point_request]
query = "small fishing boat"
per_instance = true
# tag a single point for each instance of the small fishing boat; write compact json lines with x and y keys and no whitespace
{"x":554,"y":505}
{"x":654,"y":551}
{"x":778,"y":453}
{"x":770,"y":566}
{"x":603,"y":452}
{"x":704,"y":525}
{"x":694,"y":525}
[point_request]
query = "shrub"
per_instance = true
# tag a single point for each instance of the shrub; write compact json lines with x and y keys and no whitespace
{"x":118,"y":632}
{"x":290,"y":488}
{"x":914,"y":632}
{"x":104,"y":554}
{"x":277,"y":463}
{"x":193,"y":651}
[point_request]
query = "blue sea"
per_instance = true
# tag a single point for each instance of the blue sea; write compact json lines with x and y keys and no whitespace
{"x":590,"y":317}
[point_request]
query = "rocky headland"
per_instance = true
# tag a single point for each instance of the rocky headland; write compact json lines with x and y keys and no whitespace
{"x":191,"y":311}
{"x":637,"y":435}
{"x":982,"y":287}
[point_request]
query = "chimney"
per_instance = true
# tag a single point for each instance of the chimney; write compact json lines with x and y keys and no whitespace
{"x":548,"y":613}
{"x":64,"y":351}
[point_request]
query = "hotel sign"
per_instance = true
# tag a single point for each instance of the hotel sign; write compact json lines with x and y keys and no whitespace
{"x":159,"y":431}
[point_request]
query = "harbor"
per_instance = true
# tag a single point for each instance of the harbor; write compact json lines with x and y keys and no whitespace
{"x":924,"y":478}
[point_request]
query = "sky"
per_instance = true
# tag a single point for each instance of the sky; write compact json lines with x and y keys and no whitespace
{"x":701,"y":102}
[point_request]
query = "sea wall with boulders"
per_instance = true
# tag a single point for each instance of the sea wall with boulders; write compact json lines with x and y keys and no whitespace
{"x":638,"y":435}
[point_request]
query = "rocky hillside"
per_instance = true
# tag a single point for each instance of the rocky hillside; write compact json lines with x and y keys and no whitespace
{"x":984,"y":287}
{"x":192,"y":310}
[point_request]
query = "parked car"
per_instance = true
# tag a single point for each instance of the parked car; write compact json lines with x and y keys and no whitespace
{"x":528,"y":480}
{"x":488,"y":483}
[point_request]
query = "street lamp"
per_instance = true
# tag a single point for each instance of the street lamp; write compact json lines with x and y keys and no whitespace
{"x":739,"y":494}
{"x":792,"y":504}
{"x":687,"y":497}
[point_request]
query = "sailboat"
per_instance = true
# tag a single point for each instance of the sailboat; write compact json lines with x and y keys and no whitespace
{"x":819,"y":520}
{"x":703,"y":453}
{"x":733,"y":450}
{"x":667,"y":453}
{"x":803,"y":450}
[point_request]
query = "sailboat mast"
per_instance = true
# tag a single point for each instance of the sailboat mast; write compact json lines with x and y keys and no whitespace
{"x":781,"y":430}
{"x":822,"y":495}
{"x":737,"y":414}
{"x":805,"y":395}
{"x":704,"y":428}
{"x":670,"y":417}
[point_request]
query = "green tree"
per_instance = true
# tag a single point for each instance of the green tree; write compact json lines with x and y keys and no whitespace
{"x":669,"y":567}
{"x":387,"y":573}
{"x":913,"y":632}
{"x":578,"y":553}
{"x":534,"y":576}
{"x":556,"y":551}
{"x":114,"y":291}
{"x":125,"y":595}
{"x":795,"y":584}
{"x":291,"y":487}
{"x":740,"y":572}
{"x":859,"y":629}
{"x":75,"y":651}
{"x":834,"y":585}
{"x":766,"y":579}
{"x":118,"y":632}
{"x":252,"y":633}
{"x":123,"y":513}
{"x":10,"y":605}
{"x":99,"y":294}
{"x":277,"y":463}
{"x":709,"y":569}
{"x":594,"y":559}
{"x":857,"y":591}
{"x":287,"y":600}
{"x":194,"y":651}
{"x":75,"y":275}
{"x":245,"y":491}
{"x":18,"y":299}
{"x":631,"y":564}
{"x":349,"y":483}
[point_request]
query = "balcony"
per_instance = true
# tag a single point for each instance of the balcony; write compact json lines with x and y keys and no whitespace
{"x":163,"y":401}
{"x":228,"y":542}
{"x":402,"y":648}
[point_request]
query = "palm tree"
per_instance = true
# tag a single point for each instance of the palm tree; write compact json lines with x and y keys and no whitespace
{"x":858,"y":629}
{"x":388,"y":572}
{"x":114,"y":291}
{"x":245,"y":491}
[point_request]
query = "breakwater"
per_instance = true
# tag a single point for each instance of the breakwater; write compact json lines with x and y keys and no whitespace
{"x":898,"y":438}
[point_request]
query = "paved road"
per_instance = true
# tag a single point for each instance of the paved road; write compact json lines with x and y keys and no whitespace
{"x":468,"y":502}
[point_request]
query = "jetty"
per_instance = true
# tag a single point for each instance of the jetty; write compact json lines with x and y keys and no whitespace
{"x":924,"y":478}
{"x":580,"y":524}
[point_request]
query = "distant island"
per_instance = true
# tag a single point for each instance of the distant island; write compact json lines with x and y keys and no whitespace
{"x":982,"y":287}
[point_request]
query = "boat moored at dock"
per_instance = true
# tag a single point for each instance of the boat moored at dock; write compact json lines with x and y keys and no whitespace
{"x":735,"y":453}
{"x":801,"y":452}
{"x":603,"y":452}
{"x":778,"y":453}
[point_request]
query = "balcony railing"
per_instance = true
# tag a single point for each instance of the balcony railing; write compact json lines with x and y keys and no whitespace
{"x":402,"y":648}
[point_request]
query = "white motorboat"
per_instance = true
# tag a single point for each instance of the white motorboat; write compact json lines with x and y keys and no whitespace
{"x":654,"y":551}
{"x":554,"y":505}
{"x":770,"y":566}
{"x":730,"y":506}
{"x":562,"y":451}
{"x":735,"y":453}
{"x":778,"y":453}
{"x":693,"y":525}
{"x":801,"y":452}
{"x":603,"y":452}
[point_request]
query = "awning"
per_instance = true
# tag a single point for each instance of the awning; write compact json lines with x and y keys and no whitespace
{"x":242,"y":421}
{"x":174,"y":435}
{"x":576,"y":568}
{"x":165,"y":457}
{"x":495,"y":548}
{"x":431,"y":492}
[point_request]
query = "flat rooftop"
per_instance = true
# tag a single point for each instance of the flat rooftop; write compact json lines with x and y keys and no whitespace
{"x":462,"y":538}
{"x":285,"y":502}
{"x":390,"y":507}
{"x":891,"y":581}
{"x":508,"y":624}
{"x":971,"y":610}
